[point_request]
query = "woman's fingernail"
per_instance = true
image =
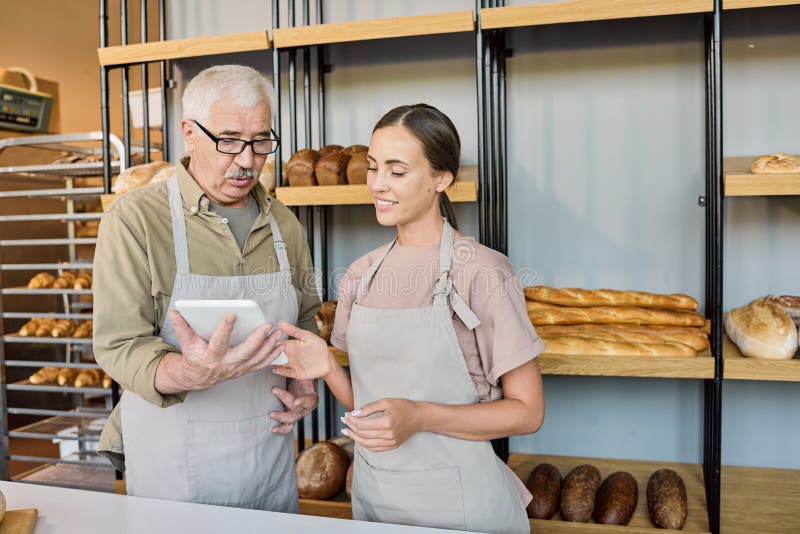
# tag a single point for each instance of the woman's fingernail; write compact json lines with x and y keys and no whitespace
{"x":356,"y":412}
{"x":345,"y":432}
{"x":342,"y":419}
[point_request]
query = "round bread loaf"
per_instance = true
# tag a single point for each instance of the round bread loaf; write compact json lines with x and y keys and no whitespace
{"x":356,"y":149}
{"x":357,"y":168}
{"x":346,"y":444}
{"x":138,"y":176}
{"x":332,"y":169}
{"x":578,"y":493}
{"x":545,"y":486}
{"x":330,"y":149}
{"x":321,"y":471}
{"x":616,"y":499}
{"x":666,"y":499}
{"x":348,"y":485}
{"x":300,"y":169}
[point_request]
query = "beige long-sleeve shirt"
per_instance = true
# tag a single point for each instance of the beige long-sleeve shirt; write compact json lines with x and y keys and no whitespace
{"x":134,"y":271}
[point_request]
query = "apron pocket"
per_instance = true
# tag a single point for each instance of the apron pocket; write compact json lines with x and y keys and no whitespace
{"x":232,"y":463}
{"x":429,"y":498}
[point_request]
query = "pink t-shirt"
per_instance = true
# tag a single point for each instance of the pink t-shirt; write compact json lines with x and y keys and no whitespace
{"x":483,"y":278}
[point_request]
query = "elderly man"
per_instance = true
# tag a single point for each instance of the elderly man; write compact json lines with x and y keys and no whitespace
{"x":201,"y":421}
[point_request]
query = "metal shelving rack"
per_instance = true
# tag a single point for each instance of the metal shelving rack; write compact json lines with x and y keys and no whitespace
{"x":75,"y":430}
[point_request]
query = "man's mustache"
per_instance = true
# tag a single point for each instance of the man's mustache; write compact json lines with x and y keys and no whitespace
{"x":241,"y":173}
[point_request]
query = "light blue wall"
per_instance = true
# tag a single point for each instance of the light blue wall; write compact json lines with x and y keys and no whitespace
{"x":606,"y":161}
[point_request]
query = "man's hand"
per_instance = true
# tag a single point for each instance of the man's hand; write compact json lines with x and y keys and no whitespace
{"x":300,"y":400}
{"x":399,"y":420}
{"x":203,"y":364}
{"x":307,"y":353}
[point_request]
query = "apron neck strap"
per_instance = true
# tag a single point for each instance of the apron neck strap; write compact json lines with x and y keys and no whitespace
{"x":178,"y":225}
{"x":443,"y":290}
{"x":366,"y":278}
{"x":279,"y":245}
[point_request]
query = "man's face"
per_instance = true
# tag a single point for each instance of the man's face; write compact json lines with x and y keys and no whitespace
{"x":218,"y":174}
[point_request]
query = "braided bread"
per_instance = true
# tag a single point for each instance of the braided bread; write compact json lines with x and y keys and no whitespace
{"x":580,"y":346}
{"x":609,"y":297}
{"x":542,"y":314}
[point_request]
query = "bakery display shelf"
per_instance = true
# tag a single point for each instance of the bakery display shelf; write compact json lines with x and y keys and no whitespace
{"x":73,"y":193}
{"x":586,"y":10}
{"x":740,"y":182}
{"x":115,"y":56}
{"x":73,"y":459}
{"x":362,"y":30}
{"x":736,"y":366}
{"x":749,"y":4}
{"x":43,"y":291}
{"x":465,"y":189}
{"x":48,"y":242}
{"x":25,"y":385}
{"x":16,"y":338}
{"x":68,"y":365}
{"x":97,"y":477}
{"x":65,"y":217}
{"x":31,"y":315}
{"x":66,"y":170}
{"x":757,"y":499}
{"x":77,"y":265}
{"x":339,"y":507}
{"x":80,"y":413}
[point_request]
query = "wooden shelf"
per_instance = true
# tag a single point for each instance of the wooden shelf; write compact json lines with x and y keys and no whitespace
{"x":740,"y":182}
{"x":344,"y":32}
{"x":739,"y":367}
{"x":465,"y":189}
{"x":743,"y":4}
{"x":111,"y":56}
{"x":756,"y":499}
{"x":586,"y":10}
{"x":341,"y":356}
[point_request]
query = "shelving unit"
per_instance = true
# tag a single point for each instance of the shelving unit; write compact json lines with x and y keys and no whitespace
{"x":69,"y":428}
{"x":740,"y":367}
{"x":740,"y":182}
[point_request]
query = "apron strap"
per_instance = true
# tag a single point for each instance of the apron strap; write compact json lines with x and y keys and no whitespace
{"x":279,"y":245}
{"x":366,"y":278}
{"x":178,"y":225}
{"x":444,"y":284}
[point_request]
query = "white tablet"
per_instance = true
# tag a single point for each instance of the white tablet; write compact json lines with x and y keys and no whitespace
{"x":205,"y":315}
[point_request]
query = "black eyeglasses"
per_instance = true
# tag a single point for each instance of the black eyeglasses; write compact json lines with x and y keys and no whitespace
{"x":230,"y":145}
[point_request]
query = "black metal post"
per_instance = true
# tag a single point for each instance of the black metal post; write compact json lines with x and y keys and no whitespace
{"x":126,"y":119}
{"x":104,"y":114}
{"x":162,"y":35}
{"x":276,"y":82}
{"x":489,"y":155}
{"x":502,"y":182}
{"x":145,"y":87}
{"x":482,"y":174}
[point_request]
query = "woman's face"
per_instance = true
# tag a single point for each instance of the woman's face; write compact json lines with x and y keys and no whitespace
{"x":404,"y":187}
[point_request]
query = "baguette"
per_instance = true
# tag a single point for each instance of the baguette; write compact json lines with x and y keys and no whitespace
{"x":609,"y":297}
{"x":581,"y":346}
{"x":641,"y":334}
{"x":542,"y":314}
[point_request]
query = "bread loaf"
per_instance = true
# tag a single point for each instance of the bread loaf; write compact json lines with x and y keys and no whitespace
{"x":578,"y":493}
{"x":543,"y":314}
{"x":138,"y":176}
{"x":779,"y":163}
{"x":346,"y":444}
{"x":584,"y":346}
{"x":300,"y":169}
{"x":330,"y":149}
{"x":698,"y":342}
{"x":666,"y":499}
{"x":352,"y":150}
{"x":41,"y":281}
{"x":762,"y":330}
{"x":545,"y":486}
{"x":65,"y":281}
{"x":332,"y":169}
{"x":609,"y":297}
{"x":616,"y":499}
{"x":45,"y":375}
{"x":622,"y":327}
{"x":321,"y":471}
{"x":348,"y":485}
{"x":789,"y":304}
{"x":357,"y":168}
{"x":324,"y":319}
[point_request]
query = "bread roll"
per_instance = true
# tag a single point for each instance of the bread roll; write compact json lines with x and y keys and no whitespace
{"x":44,"y":375}
{"x":545,"y":486}
{"x":83,"y":281}
{"x":357,"y":168}
{"x":789,"y":304}
{"x":543,"y":314}
{"x":616,"y":499}
{"x":138,"y":176}
{"x":65,"y":281}
{"x":609,"y":297}
{"x":84,"y":329}
{"x":762,"y":330}
{"x":666,"y":499}
{"x":321,"y":471}
{"x":41,"y":281}
{"x":330,"y":149}
{"x":164,"y":173}
{"x":325,"y":319}
{"x":66,"y":376}
{"x":332,"y":169}
{"x":63,"y":328}
{"x":45,"y":327}
{"x":584,"y":346}
{"x":87,"y":378}
{"x":300,"y":169}
{"x":779,"y":163}
{"x":578,"y":493}
{"x":352,"y":150}
{"x":106,"y":380}
{"x":29,"y":328}
{"x":698,"y":342}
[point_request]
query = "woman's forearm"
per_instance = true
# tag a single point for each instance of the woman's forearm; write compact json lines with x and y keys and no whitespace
{"x":338,"y":381}
{"x":482,"y":421}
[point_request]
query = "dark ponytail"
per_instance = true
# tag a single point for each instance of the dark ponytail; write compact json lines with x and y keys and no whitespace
{"x":439,"y":140}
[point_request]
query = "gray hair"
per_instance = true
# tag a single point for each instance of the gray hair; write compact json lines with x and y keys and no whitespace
{"x":245,"y":85}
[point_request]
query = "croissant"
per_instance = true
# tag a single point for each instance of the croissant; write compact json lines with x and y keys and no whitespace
{"x":83,"y":281}
{"x":66,"y":376}
{"x":87,"y":378}
{"x":106,"y":380}
{"x":45,"y":328}
{"x":63,"y":328}
{"x":41,"y":281}
{"x":44,"y":375}
{"x":85,"y":329}
{"x":29,"y":328}
{"x":65,"y":281}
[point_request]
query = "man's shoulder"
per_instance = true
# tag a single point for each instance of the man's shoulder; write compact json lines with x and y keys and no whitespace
{"x":148,"y":200}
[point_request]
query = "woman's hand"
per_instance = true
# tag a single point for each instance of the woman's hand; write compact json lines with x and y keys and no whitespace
{"x":399,"y":420}
{"x":307,"y":353}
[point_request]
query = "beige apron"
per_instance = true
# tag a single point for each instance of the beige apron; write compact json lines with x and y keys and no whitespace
{"x":431,"y":480}
{"x":217,"y":446}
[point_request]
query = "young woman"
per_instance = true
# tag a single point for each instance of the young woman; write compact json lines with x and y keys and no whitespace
{"x":442,"y":353}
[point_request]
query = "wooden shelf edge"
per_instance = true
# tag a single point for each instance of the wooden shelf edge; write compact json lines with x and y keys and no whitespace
{"x":701,"y":366}
{"x":112,"y":56}
{"x":739,"y":367}
{"x":751,"y":4}
{"x":362,"y":30}
{"x":585,"y":11}
{"x":341,"y":357}
{"x":759,"y":185}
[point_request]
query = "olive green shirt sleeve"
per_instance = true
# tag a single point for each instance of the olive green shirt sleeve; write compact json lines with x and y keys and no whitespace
{"x":125,"y":342}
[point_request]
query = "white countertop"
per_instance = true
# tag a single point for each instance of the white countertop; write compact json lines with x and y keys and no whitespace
{"x":70,"y":511}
